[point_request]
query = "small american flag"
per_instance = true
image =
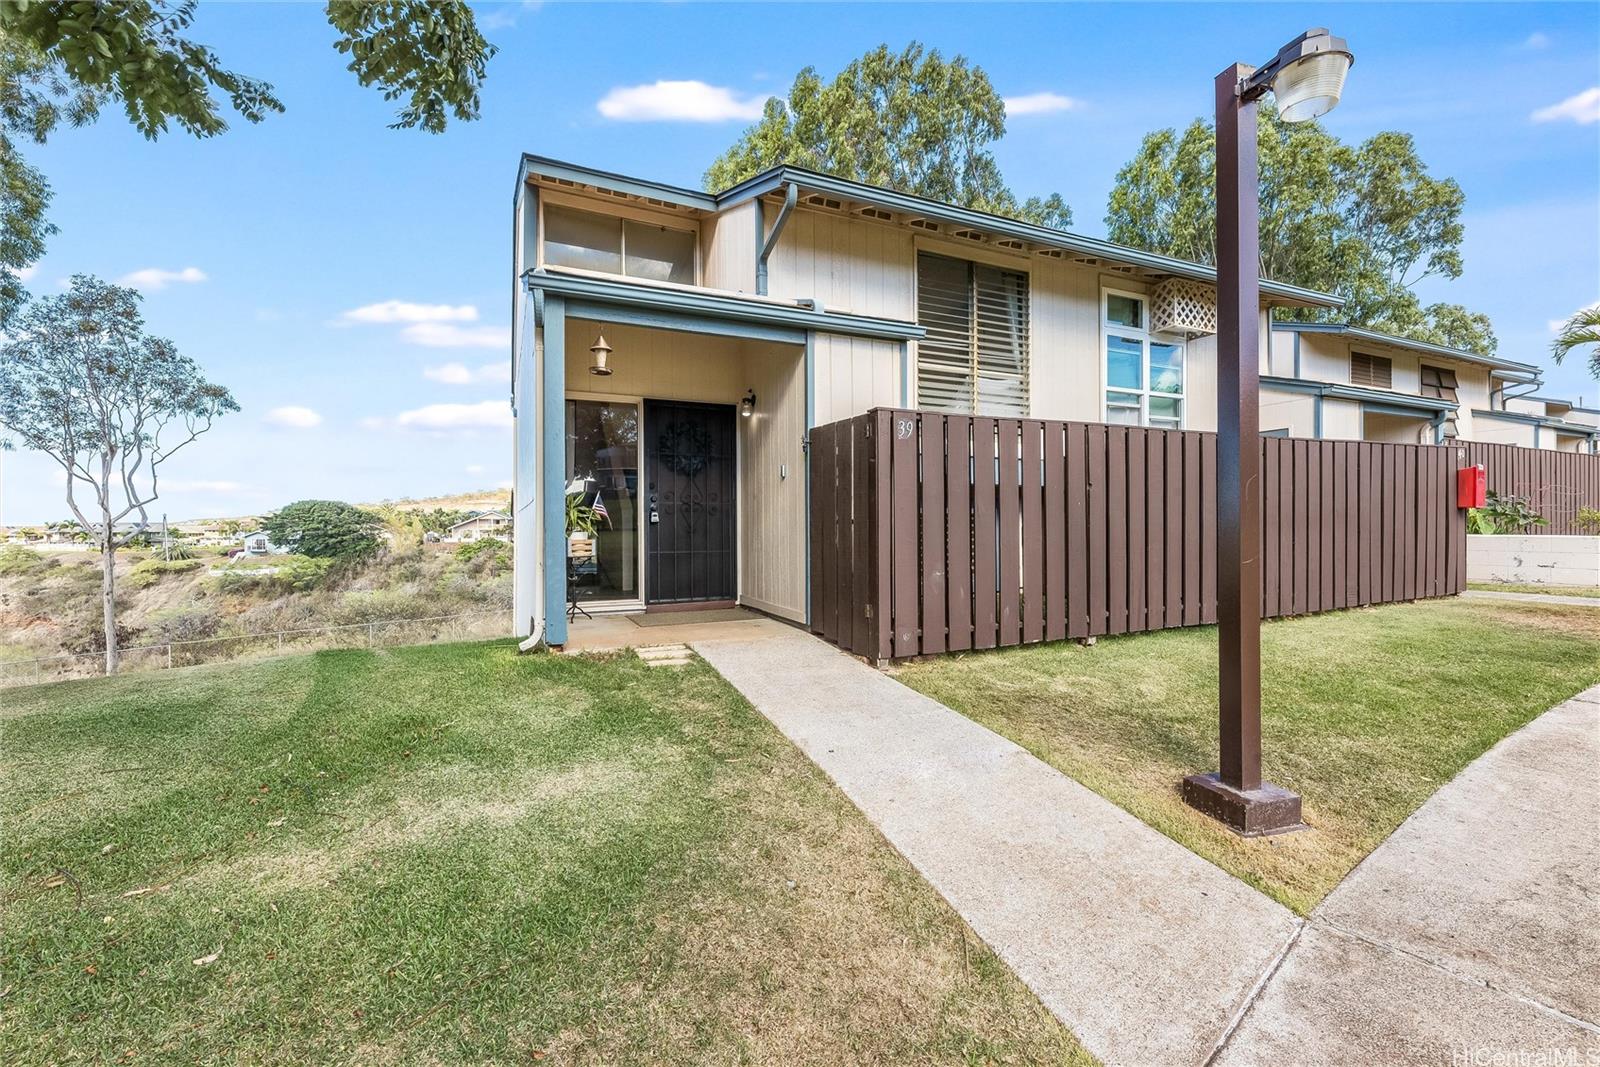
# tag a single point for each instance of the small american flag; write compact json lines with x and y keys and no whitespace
{"x":599,"y":508}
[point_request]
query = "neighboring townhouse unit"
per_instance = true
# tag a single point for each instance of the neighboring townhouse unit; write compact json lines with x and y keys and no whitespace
{"x":1345,"y":383}
{"x":1544,"y":422}
{"x":673,"y":348}
{"x":478,"y":526}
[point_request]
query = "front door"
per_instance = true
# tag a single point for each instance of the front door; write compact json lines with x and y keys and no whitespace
{"x":690,"y":510}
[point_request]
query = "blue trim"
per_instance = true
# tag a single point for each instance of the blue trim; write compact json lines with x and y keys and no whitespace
{"x":683,"y":322}
{"x":711,"y":304}
{"x":1296,"y":340}
{"x":554,"y":425}
{"x":545,"y":167}
{"x":1407,"y":411}
{"x":1411,"y":405}
{"x":1537,"y":430}
{"x":1345,"y":329}
{"x":811,"y":421}
{"x":1509,"y":416}
{"x":1316,"y":416}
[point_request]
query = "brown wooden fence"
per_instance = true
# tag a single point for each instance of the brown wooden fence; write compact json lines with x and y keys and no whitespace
{"x":934,"y":533}
{"x":1557,"y":484}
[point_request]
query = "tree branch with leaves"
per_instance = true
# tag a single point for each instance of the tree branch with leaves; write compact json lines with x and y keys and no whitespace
{"x":81,"y":382}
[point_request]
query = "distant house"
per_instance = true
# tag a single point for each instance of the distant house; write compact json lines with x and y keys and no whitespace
{"x":257,"y":543}
{"x":476,"y":527}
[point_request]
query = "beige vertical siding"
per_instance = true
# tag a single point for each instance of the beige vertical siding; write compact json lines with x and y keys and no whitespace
{"x":1503,"y":432}
{"x":1283,"y":410}
{"x":1395,"y":429}
{"x":728,"y":249}
{"x":772,"y":483}
{"x":854,"y":374}
{"x":1341,"y":420}
{"x":848,"y":263}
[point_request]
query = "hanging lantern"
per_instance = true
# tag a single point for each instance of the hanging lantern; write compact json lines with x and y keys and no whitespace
{"x":600,"y":350}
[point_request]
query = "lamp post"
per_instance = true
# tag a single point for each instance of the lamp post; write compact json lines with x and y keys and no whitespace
{"x":1306,"y":76}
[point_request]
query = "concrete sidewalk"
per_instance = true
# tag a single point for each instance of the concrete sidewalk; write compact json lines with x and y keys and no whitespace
{"x":1473,"y":931}
{"x":1475,"y":928}
{"x":1145,"y":950}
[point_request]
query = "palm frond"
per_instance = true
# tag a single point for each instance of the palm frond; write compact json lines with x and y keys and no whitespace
{"x":1580,"y":330}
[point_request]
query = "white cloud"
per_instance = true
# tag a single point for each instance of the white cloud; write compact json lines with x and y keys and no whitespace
{"x":679,"y":101}
{"x":153,"y":278}
{"x":294,"y":417}
{"x":26,"y":272}
{"x":474,"y":468}
{"x":404,"y":311}
{"x":488,"y":414}
{"x":1039,"y":104}
{"x":1555,"y":325}
{"x":1536,"y":41}
{"x":1584,"y":109}
{"x":460,"y":374}
{"x":451,"y":335}
{"x":503,"y":16}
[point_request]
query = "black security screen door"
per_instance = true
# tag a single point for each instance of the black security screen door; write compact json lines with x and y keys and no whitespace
{"x":690,"y":513}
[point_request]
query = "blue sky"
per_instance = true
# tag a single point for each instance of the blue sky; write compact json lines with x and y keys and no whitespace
{"x":285,"y":257}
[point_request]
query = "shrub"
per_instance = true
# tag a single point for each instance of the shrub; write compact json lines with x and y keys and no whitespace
{"x":148,"y":573}
{"x":325,"y":529}
{"x":17,"y":561}
{"x":1588,"y":520}
{"x":488,"y":555}
{"x":1503,"y":515}
{"x":185,"y":624}
{"x":285,"y":574}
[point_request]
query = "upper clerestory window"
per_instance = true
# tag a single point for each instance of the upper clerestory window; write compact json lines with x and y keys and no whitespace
{"x":588,"y":240}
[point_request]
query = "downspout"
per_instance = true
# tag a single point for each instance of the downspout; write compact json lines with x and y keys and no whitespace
{"x":791,"y":193}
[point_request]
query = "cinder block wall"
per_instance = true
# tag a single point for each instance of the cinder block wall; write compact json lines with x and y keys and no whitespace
{"x":1549,"y":559}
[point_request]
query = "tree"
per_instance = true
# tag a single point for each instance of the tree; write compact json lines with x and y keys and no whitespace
{"x":1580,"y":330}
{"x":1365,"y":222}
{"x":909,"y":121}
{"x":324,"y":529}
{"x":62,"y":60}
{"x":82,"y":383}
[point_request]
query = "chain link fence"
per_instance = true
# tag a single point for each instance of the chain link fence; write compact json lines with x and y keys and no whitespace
{"x":383,"y":633}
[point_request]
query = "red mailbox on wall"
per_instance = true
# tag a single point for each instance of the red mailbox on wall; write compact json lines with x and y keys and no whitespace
{"x":1472,"y":486}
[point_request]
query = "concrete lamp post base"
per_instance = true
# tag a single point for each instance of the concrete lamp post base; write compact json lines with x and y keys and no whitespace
{"x":1268,"y":809}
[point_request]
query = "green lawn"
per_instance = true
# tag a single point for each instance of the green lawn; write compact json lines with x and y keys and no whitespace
{"x":456,"y":854}
{"x":1535,"y":587}
{"x":1367,"y":713}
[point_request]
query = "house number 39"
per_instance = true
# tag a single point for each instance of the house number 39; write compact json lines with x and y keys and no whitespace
{"x":902,"y":428}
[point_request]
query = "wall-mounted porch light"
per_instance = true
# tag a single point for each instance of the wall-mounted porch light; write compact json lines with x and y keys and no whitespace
{"x":747,"y":406}
{"x":600,"y":350}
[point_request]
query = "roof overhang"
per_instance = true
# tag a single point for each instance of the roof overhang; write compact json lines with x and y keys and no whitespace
{"x":1504,"y":367}
{"x":696,"y":310}
{"x":1007,"y":234}
{"x":1577,"y":429}
{"x":1398,"y":403}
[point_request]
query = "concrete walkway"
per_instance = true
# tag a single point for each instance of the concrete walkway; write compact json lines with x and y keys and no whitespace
{"x":1145,"y":950}
{"x":1476,"y":926}
{"x":1533,"y":598}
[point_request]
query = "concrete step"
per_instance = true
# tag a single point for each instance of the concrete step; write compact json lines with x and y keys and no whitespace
{"x":665,"y":655}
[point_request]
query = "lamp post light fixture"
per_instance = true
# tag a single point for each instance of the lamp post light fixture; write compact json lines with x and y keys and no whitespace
{"x":601,"y":352}
{"x":1307,"y":77}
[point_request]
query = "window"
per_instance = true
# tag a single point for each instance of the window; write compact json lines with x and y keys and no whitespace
{"x":1144,"y":372}
{"x":1440,"y":384}
{"x":603,"y":489}
{"x":974,"y":358}
{"x":1374,"y":371}
{"x":611,"y":245}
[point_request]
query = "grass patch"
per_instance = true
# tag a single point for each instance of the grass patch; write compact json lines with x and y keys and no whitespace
{"x":1367,"y":713}
{"x":1536,"y":587}
{"x":456,"y":854}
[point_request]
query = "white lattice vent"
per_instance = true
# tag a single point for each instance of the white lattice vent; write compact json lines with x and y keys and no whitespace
{"x":1179,"y":305}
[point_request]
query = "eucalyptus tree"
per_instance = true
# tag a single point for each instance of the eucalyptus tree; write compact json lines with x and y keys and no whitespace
{"x":81,"y":382}
{"x":910,"y":121}
{"x":1366,"y":222}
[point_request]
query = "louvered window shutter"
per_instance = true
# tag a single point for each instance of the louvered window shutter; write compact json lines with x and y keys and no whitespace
{"x":975,"y":355}
{"x":1376,"y":372}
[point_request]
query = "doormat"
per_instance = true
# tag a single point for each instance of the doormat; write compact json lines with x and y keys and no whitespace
{"x":690,"y":618}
